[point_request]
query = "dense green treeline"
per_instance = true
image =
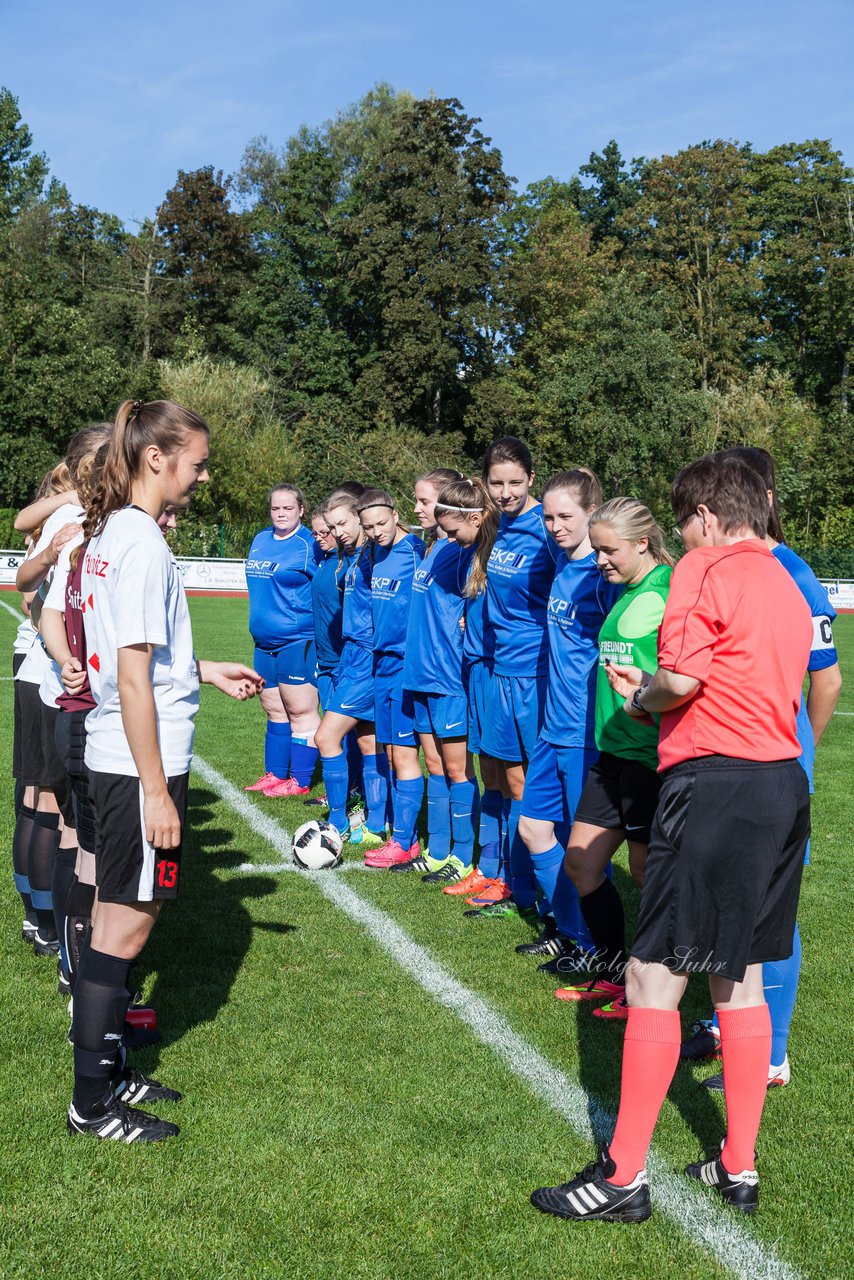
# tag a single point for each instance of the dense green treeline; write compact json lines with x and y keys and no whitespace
{"x":377,"y":297}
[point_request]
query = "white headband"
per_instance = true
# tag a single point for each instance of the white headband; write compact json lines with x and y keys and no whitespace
{"x":446,"y":506}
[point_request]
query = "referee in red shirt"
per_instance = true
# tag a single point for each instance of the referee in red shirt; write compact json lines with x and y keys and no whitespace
{"x":728,"y":842}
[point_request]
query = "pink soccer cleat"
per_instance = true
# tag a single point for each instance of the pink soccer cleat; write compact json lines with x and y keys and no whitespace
{"x":266,"y":780}
{"x":391,"y":855}
{"x":289,"y":787}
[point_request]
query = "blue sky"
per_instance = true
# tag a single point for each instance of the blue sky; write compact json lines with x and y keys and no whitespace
{"x":121,"y":96}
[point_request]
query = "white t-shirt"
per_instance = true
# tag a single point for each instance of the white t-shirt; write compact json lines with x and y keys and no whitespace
{"x":38,"y":668}
{"x":133,"y":594}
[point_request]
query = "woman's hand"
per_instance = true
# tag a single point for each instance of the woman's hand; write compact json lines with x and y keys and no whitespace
{"x":162,"y":824}
{"x":623,"y":680}
{"x":232,"y":678}
{"x":73,"y":676}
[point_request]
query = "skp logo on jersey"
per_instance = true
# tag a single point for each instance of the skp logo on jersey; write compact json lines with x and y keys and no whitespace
{"x":506,"y":560}
{"x":385,"y":586}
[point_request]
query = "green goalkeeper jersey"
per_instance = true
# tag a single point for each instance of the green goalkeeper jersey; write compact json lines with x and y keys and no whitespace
{"x":629,"y":638}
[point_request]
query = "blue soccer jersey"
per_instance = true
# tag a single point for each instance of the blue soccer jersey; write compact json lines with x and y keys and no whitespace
{"x":391,"y":590}
{"x":358,"y":620}
{"x":823,"y":652}
{"x":327,"y":602}
{"x":278,"y":575}
{"x":434,"y":642}
{"x":519,"y":577}
{"x":478,"y":640}
{"x":580,"y":601}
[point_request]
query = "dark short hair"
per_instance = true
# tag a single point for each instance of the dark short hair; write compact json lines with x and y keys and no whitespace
{"x":508,"y":449}
{"x":728,"y":487}
{"x":760,"y":461}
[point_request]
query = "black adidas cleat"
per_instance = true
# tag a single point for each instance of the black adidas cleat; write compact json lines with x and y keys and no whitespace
{"x":448,"y":873}
{"x":414,"y":864}
{"x":702,"y":1043}
{"x":63,"y":980}
{"x":590,"y":1196}
{"x":549,"y":943}
{"x":119,"y":1123}
{"x":741,"y":1190}
{"x":45,"y":946}
{"x":28,"y":932}
{"x":574,"y":964}
{"x":132,"y":1087}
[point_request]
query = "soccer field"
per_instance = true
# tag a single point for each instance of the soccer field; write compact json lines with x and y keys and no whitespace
{"x":374,"y":1084}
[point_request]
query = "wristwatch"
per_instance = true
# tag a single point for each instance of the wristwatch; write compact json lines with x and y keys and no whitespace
{"x":636,"y":702}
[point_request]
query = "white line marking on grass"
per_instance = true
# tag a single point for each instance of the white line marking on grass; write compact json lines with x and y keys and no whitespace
{"x":292,"y":866}
{"x":16,"y":613}
{"x":704,"y":1221}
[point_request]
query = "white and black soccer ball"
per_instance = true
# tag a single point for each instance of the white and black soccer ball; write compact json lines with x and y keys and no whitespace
{"x":317,"y":846}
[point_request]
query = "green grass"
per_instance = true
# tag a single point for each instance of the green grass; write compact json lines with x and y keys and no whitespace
{"x":337,"y":1121}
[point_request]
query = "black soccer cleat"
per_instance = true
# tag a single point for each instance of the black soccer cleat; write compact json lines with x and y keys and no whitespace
{"x":28,"y":932}
{"x":414,"y":864}
{"x":116,"y":1122}
{"x":702,"y":1043}
{"x":590,"y":1196}
{"x":448,"y":873}
{"x":63,"y":980}
{"x":550,"y":943}
{"x":132,"y":1087}
{"x":741,"y":1190}
{"x":45,"y":946}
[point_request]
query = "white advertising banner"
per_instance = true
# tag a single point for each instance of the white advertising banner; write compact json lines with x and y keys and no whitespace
{"x":228,"y":576}
{"x":840,"y":592}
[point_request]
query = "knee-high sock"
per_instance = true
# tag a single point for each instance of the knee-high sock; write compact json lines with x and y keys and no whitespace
{"x":376,"y":792}
{"x":335,"y":775}
{"x":78,"y":923}
{"x":561,"y":895}
{"x":489,"y":863}
{"x":408,"y":796}
{"x":603,"y":914}
{"x":523,"y":882}
{"x":746,"y":1055}
{"x":63,"y":879}
{"x":389,"y":779}
{"x":20,"y":857}
{"x":101,"y":999}
{"x":464,"y":798}
{"x":354,"y":762}
{"x":780,"y":980}
{"x":650,"y":1055}
{"x":504,"y":872}
{"x":439,"y":816}
{"x":277,"y":748}
{"x":44,"y":842}
{"x":303,"y":760}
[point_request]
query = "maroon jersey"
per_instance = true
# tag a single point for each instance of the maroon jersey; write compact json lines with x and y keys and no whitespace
{"x":75,"y":607}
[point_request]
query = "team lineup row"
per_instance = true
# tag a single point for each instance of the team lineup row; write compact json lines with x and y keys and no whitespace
{"x":549,"y":638}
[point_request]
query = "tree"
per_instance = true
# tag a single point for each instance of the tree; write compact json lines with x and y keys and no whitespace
{"x":206,"y":245}
{"x":693,"y":233}
{"x":22,"y":174}
{"x":420,"y":241}
{"x":802,"y":198}
{"x":615,"y":190}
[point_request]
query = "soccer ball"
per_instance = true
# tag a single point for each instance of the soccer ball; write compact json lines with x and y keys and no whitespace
{"x":317,"y":846}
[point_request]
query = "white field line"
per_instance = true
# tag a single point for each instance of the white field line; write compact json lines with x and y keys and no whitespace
{"x":16,"y":613}
{"x":704,"y":1220}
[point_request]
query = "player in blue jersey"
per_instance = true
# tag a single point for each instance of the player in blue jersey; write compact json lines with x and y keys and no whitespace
{"x":780,"y":978}
{"x":519,"y":577}
{"x":279,"y":571}
{"x":433,"y":674}
{"x":396,"y":557}
{"x":579,"y":602}
{"x":351,"y":700}
{"x":427,"y":489}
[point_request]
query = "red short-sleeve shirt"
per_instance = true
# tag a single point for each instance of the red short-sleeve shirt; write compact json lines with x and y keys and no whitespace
{"x":736,"y":622}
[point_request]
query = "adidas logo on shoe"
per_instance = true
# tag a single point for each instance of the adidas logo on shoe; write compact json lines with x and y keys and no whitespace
{"x":590,"y":1195}
{"x":741,"y":1190}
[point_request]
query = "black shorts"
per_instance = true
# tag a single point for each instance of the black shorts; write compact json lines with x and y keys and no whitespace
{"x":127,"y":867}
{"x":724,"y":867}
{"x":620,"y":794}
{"x":54,"y":772}
{"x":71,"y":746}
{"x":27,"y":765}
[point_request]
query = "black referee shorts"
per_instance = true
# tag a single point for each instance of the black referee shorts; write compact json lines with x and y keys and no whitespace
{"x":723,"y":873}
